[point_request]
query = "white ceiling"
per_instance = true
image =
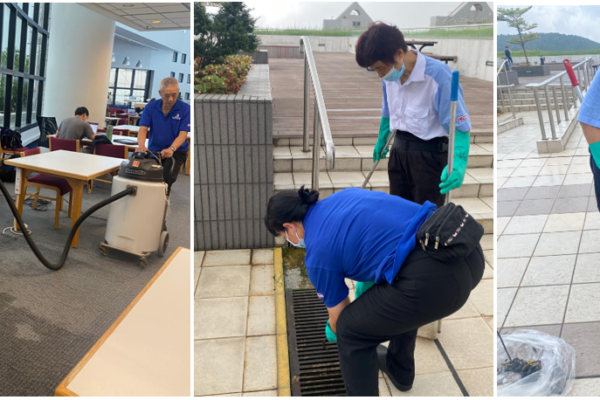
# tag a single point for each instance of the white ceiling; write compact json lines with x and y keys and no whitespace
{"x":139,"y":16}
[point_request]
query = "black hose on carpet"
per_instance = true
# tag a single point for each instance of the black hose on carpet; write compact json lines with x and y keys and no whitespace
{"x":55,"y":267}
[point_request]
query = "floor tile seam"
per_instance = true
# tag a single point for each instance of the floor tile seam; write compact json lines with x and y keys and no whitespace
{"x":572,"y":277}
{"x":216,"y":298}
{"x":197,"y":283}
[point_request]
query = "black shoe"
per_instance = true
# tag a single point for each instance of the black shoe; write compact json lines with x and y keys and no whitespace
{"x":381,"y":355}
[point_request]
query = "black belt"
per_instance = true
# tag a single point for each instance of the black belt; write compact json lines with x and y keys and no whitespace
{"x":438,"y":147}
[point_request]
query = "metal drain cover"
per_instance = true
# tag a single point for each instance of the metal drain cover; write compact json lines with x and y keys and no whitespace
{"x":315,"y":370}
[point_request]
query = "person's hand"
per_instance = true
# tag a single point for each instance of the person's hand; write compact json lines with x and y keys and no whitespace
{"x":330,"y":334}
{"x":141,"y":149}
{"x":462,"y":142}
{"x":384,"y":135}
{"x":166,"y":153}
{"x":362,"y":287}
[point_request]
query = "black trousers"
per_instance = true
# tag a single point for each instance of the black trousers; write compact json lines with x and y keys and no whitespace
{"x":596,"y":172}
{"x":424,"y":291}
{"x":416,"y":175}
{"x":171,"y":167}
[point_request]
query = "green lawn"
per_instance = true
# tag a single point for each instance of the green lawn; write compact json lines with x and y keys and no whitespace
{"x":480,"y":32}
{"x":537,"y":53}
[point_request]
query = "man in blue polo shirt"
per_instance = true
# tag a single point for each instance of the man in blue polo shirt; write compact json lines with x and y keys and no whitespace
{"x":589,"y":118}
{"x":168,"y":121}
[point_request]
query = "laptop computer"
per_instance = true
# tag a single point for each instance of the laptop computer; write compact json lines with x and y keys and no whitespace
{"x":94,"y":126}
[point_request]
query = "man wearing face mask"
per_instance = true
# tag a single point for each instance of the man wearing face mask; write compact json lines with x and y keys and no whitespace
{"x":369,"y":236}
{"x":416,"y":108}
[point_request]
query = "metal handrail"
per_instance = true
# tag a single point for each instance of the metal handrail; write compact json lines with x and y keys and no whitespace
{"x":507,"y":86}
{"x":320,"y":120}
{"x":588,"y":76}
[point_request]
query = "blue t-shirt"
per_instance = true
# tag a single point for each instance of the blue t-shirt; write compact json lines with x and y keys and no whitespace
{"x":361,"y":235}
{"x":165,"y":129}
{"x":589,"y":112}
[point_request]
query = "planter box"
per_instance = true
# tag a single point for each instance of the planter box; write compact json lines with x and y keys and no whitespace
{"x":532,"y":70}
{"x":233,"y":178}
{"x":513,"y":78}
{"x":259,"y":57}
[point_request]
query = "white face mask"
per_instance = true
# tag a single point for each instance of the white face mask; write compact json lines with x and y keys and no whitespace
{"x":300,"y":244}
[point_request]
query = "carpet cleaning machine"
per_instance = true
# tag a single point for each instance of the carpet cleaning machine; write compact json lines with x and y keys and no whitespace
{"x":135,"y":225}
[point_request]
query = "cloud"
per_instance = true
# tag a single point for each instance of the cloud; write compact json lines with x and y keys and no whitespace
{"x":569,"y":20}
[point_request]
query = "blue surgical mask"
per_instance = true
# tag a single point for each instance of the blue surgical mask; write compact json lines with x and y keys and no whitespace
{"x":394,"y":74}
{"x":300,"y":244}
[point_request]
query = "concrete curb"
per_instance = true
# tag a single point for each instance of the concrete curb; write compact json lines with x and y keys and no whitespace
{"x":283,"y":362}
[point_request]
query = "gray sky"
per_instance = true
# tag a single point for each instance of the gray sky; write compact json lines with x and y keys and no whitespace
{"x":287,"y":14}
{"x":570,"y":20}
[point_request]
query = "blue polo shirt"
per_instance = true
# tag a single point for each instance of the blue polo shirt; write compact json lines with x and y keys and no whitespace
{"x":165,"y":129}
{"x":589,"y":112}
{"x":361,"y":235}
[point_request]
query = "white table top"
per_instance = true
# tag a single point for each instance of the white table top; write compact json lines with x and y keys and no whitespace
{"x":132,"y":128}
{"x":148,"y":353}
{"x":68,"y":164}
{"x":111,"y":118}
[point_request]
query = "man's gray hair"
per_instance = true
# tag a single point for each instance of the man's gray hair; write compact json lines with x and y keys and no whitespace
{"x":165,"y":83}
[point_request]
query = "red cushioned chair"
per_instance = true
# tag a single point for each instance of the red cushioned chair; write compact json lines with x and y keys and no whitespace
{"x":64,"y":144}
{"x":108,"y":150}
{"x":43,"y":181}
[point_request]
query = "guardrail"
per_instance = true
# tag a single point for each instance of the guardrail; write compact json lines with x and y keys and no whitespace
{"x":474,"y":31}
{"x":585,"y":74}
{"x":508,"y":86}
{"x":320,"y":120}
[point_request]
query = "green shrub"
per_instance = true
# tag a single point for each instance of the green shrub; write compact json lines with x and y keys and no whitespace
{"x":225,"y":78}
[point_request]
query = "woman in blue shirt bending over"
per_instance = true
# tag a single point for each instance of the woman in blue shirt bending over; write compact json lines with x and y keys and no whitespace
{"x":371,"y":236}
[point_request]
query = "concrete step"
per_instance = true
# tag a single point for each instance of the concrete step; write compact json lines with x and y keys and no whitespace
{"x":480,"y":207}
{"x":360,"y":158}
{"x":523,"y":107}
{"x":530,"y":95}
{"x":477,"y":136}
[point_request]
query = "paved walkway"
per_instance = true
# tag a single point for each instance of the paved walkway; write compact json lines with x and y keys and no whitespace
{"x":549,"y":246}
{"x":235,"y":349}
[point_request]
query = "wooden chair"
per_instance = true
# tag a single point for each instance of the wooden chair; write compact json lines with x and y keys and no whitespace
{"x":121,"y":132}
{"x":5,"y":154}
{"x":43,"y":181}
{"x":108,"y":150}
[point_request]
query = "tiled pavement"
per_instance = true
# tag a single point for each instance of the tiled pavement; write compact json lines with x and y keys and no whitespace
{"x":235,"y":332}
{"x":549,"y":247}
{"x":234,"y":323}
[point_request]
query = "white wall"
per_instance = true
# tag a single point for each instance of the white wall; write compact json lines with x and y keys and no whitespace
{"x":79,"y":58}
{"x":472,"y":54}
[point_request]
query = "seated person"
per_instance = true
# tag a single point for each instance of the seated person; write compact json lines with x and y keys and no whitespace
{"x":76,"y":128}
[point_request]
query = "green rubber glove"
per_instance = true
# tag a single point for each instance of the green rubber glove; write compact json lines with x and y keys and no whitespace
{"x":329,"y":334}
{"x":384,"y":135}
{"x":462,"y":140}
{"x":362,"y":287}
{"x":595,"y":150}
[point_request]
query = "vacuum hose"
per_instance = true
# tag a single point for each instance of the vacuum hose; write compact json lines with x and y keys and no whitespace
{"x":55,"y":267}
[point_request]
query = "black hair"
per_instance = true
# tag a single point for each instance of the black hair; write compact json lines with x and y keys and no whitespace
{"x":380,"y":42}
{"x":81,"y":111}
{"x":288,"y":206}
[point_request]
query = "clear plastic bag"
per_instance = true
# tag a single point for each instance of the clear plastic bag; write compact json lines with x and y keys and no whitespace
{"x":557,"y":372}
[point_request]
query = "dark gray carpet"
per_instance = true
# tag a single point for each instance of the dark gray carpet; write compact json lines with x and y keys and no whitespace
{"x":49,"y":320}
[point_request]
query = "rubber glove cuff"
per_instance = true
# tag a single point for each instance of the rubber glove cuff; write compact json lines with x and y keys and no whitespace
{"x":462,"y":141}
{"x":362,"y":287}
{"x":382,"y":138}
{"x":595,"y":150}
{"x":330,"y":334}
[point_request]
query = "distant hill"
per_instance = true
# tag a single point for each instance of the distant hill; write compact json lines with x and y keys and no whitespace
{"x":550,"y":42}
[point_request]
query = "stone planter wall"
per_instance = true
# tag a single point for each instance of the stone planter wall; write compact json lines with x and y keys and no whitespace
{"x":234,"y":166}
{"x":532,"y":70}
{"x":513,"y":78}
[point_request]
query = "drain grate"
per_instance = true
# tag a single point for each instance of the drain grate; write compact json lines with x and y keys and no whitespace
{"x":315,"y":370}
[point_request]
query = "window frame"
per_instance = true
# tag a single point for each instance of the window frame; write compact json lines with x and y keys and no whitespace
{"x":17,"y":78}
{"x":114,"y":87}
{"x":175,"y":56}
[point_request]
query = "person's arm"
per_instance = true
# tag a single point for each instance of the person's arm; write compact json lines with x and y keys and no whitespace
{"x":141,"y":138}
{"x":334,"y":313}
{"x":181,"y":138}
{"x":591,"y":133}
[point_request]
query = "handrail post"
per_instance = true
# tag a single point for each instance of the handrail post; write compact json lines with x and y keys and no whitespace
{"x":556,"y":104}
{"x":550,"y":118}
{"x":566,"y":103}
{"x":581,"y":83}
{"x":305,"y":142}
{"x":539,"y":111}
{"x":316,"y":149}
